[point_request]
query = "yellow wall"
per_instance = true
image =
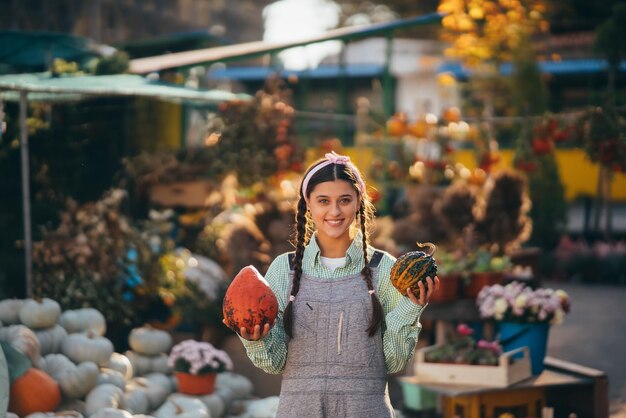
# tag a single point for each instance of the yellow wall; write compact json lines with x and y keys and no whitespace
{"x":578,"y":174}
{"x":157,"y":125}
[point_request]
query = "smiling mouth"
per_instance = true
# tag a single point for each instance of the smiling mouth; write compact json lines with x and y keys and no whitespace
{"x":334,"y":222}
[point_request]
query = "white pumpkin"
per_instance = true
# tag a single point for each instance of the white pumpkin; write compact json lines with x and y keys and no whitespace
{"x":24,"y":340}
{"x":83,"y":320}
{"x":149,"y":341}
{"x":113,"y":377}
{"x":262,"y":408}
{"x":135,"y":398}
{"x":157,"y":388}
{"x":37,"y":314}
{"x":111,"y":413}
{"x":75,"y":381}
{"x":215,"y":404}
{"x":143,"y":364}
{"x":241,"y":386}
{"x":51,"y":339}
{"x":60,"y":414}
{"x":122,"y":364}
{"x":10,"y":311}
{"x":74,"y":405}
{"x":103,"y":396}
{"x":87,"y":347}
{"x":161,"y":380}
{"x":182,"y":407}
{"x":225,"y":393}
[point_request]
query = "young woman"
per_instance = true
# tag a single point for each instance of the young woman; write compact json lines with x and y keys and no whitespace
{"x":342,"y":326}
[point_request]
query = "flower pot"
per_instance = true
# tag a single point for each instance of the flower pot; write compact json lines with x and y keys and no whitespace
{"x":532,"y":335}
{"x":448,"y":288}
{"x":480,"y":280}
{"x":193,"y":384}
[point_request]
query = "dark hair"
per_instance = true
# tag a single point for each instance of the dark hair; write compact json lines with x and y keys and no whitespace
{"x":304,"y":229}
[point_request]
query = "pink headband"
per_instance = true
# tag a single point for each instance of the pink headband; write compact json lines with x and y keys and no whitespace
{"x":333,"y":158}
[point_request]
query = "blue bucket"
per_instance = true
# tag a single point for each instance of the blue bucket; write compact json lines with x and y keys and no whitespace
{"x":534,"y":336}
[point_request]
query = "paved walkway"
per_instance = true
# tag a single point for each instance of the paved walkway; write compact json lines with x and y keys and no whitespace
{"x":594,"y":335}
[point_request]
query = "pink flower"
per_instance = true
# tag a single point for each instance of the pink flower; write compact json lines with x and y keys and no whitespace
{"x":491,"y":346}
{"x":464,"y":330}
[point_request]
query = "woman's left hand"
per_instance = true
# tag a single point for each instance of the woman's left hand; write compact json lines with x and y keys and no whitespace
{"x":425,"y":291}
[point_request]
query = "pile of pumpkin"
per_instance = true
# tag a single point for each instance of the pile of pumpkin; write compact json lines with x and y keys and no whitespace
{"x":74,"y":371}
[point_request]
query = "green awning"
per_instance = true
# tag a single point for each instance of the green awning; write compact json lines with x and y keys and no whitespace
{"x":44,"y":87}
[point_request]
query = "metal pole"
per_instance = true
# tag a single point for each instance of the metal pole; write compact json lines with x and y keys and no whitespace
{"x":28,"y":247}
{"x":388,"y":105}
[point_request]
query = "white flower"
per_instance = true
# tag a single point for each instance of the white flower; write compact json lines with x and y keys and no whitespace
{"x":500,"y":306}
{"x":198,"y":357}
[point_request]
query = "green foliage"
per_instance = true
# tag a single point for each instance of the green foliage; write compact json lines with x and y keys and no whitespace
{"x":94,"y":258}
{"x":610,"y":36}
{"x":529,"y":93}
{"x":252,"y":139}
{"x":115,"y":64}
{"x":603,"y":136}
{"x":462,"y":348}
{"x":534,"y":155}
{"x":549,"y":209}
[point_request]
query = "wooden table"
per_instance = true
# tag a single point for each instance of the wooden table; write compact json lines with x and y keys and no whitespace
{"x":564,"y":386}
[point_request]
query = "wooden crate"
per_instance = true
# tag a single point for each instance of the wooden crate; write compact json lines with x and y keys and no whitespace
{"x":507,"y":372}
{"x":189,"y":194}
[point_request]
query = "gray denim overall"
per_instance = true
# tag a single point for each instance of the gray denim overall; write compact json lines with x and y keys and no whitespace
{"x":333,"y":368}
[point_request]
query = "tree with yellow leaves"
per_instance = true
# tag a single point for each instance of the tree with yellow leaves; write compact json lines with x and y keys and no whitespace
{"x":490,"y":31}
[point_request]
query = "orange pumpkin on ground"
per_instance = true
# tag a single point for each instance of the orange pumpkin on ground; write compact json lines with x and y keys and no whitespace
{"x":249,"y":301}
{"x":34,"y":391}
{"x":411,"y":268}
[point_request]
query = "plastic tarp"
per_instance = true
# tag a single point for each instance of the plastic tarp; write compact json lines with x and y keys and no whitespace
{"x":45,"y":87}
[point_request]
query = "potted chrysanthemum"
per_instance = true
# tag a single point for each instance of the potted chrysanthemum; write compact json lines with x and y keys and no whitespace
{"x":196,"y":364}
{"x":524,"y":315}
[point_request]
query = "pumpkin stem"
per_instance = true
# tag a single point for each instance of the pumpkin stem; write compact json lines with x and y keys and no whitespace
{"x":432,"y":247}
{"x":179,"y":410}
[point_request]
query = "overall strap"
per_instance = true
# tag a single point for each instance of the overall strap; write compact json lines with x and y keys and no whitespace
{"x":290,"y":257}
{"x":376,"y":257}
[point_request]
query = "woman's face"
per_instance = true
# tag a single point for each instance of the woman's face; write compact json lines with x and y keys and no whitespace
{"x":333,"y":206}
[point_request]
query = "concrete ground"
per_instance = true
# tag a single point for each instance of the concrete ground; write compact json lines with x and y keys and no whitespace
{"x":594,"y":335}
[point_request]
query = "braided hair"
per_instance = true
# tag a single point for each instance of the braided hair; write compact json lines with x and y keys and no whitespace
{"x":304,"y":230}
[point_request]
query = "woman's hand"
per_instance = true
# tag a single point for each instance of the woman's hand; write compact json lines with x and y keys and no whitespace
{"x":425,"y":291}
{"x":257,"y":334}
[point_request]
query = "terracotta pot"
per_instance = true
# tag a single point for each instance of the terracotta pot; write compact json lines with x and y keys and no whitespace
{"x":480,"y":280}
{"x":192,"y":384}
{"x":448,"y":288}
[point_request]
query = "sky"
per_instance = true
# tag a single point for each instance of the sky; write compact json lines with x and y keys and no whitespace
{"x":298,"y":19}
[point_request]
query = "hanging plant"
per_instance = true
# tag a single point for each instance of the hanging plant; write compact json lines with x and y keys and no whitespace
{"x":603,"y":137}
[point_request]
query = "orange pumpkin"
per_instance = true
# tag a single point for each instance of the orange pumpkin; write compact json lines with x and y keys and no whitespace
{"x":249,"y":301}
{"x":397,"y":125}
{"x":34,"y":391}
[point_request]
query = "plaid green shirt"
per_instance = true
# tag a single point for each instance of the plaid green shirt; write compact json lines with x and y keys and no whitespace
{"x":401,"y":327}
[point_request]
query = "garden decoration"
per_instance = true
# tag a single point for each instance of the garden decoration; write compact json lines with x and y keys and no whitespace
{"x":196,"y":364}
{"x":414,"y":267}
{"x":249,"y":301}
{"x":524,"y":316}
